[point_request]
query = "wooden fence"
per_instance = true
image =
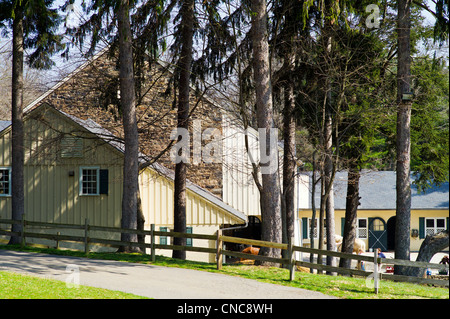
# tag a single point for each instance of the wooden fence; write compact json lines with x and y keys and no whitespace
{"x":290,"y":262}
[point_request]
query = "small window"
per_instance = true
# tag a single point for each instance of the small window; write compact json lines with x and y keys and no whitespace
{"x":5,"y":181}
{"x":434,"y":225}
{"x":377,"y":225}
{"x":89,"y":180}
{"x":361,"y":229}
{"x":163,"y":240}
{"x":440,"y":223}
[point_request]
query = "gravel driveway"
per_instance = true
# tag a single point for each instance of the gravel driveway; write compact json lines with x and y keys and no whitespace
{"x":147,"y":280}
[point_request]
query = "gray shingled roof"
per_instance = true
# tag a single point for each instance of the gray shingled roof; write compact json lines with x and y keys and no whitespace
{"x":377,"y":191}
{"x":4,"y":124}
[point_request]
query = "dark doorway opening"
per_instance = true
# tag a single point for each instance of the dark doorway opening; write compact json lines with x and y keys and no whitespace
{"x":391,"y":233}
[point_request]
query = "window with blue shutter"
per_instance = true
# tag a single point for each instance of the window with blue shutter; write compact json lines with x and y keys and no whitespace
{"x":89,"y":180}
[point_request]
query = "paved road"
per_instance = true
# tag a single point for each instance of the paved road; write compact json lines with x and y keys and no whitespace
{"x":148,"y":280}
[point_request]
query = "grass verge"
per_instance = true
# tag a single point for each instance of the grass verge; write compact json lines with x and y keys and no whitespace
{"x":338,"y":286}
{"x":20,"y":286}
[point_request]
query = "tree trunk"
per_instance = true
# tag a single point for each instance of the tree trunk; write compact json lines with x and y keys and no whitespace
{"x":351,"y":209}
{"x":184,"y":66}
{"x":17,"y":149}
{"x":328,"y":136}
{"x":403,"y":185}
{"x":328,"y":172}
{"x":289,"y":163}
{"x":430,"y":246}
{"x":270,"y":195}
{"x":127,"y":97}
{"x":313,"y":207}
{"x":323,"y":199}
{"x":140,"y":219}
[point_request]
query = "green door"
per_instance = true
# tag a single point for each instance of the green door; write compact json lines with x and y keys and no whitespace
{"x":377,"y":233}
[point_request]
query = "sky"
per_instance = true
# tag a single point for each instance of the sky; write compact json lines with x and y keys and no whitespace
{"x":73,"y":17}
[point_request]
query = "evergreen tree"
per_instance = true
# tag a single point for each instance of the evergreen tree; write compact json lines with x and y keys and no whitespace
{"x":34,"y":26}
{"x":186,"y":35}
{"x":118,"y":32}
{"x":131,"y":138}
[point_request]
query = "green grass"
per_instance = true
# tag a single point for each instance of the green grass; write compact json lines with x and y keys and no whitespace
{"x":19,"y":286}
{"x":339,"y":286}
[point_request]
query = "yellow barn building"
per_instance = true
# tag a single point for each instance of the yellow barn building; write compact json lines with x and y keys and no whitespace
{"x":376,"y":212}
{"x":73,"y":171}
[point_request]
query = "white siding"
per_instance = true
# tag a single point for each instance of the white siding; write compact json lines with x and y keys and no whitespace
{"x":239,"y":188}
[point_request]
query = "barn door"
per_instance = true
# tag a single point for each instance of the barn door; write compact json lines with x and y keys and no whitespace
{"x":377,"y":233}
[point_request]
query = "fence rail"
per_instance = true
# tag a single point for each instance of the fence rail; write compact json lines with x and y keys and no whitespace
{"x":219,"y":252}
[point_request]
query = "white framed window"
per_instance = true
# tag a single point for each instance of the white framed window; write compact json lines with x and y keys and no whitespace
{"x":361,"y":228}
{"x":89,"y":180}
{"x":5,"y":181}
{"x":435,"y":225}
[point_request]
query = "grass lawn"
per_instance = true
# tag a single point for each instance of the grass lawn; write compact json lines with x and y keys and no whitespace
{"x":19,"y":286}
{"x":339,"y":286}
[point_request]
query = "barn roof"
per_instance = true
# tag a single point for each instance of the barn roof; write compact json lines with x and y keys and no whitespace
{"x":377,"y":191}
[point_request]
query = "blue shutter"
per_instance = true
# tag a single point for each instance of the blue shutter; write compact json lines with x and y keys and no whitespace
{"x":421,"y":227}
{"x":104,"y":180}
{"x":305,"y":227}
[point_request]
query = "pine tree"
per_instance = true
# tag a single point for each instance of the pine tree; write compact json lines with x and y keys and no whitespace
{"x":117,"y":31}
{"x":184,"y":70}
{"x":131,"y":138}
{"x":34,"y":26}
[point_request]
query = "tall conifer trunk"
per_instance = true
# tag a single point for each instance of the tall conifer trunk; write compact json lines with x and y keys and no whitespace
{"x":184,"y":68}
{"x":17,"y":150}
{"x":403,"y":210}
{"x":128,"y":103}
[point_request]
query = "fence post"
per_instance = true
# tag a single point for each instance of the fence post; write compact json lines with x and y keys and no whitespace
{"x":152,"y":235}
{"x":291,"y":258}
{"x":57,"y":239}
{"x":219,"y":244}
{"x":86,"y":234}
{"x":376,"y":282}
